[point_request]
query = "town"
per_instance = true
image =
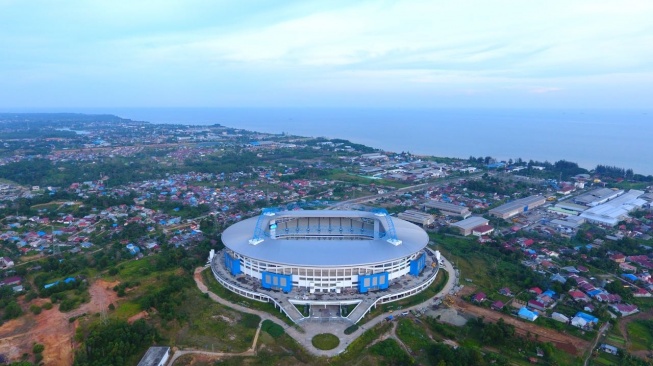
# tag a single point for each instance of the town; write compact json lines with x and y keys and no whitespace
{"x":104,"y":221}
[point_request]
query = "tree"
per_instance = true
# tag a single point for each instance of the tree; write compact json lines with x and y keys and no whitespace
{"x":38,"y":348}
{"x":12,"y":310}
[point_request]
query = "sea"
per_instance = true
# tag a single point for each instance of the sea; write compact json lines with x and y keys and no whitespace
{"x":622,"y":138}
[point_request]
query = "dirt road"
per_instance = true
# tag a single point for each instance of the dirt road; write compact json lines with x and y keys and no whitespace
{"x":569,"y":344}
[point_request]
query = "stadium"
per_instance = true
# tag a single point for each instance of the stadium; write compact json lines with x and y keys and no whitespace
{"x":324,"y":257}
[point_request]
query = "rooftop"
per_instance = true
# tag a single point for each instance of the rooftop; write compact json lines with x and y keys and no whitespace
{"x":471,"y":222}
{"x":517,"y":204}
{"x":329,"y":247}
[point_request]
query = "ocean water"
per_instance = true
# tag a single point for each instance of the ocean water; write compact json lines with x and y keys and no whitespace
{"x":621,"y":138}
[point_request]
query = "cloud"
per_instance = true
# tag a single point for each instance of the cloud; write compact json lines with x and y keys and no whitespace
{"x":406,"y":46}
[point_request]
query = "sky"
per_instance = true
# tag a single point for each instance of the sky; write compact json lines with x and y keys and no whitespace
{"x":367,"y":54}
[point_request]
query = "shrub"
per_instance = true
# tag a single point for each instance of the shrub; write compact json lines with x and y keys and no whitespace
{"x":351,"y":329}
{"x":38,"y":348}
{"x":35,"y":309}
{"x":272,"y":328}
{"x":47,"y":306}
{"x":67,"y":305}
{"x":12,"y":311}
{"x":31,"y":296}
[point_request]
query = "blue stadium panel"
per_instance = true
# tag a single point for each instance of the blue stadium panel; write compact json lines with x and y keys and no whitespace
{"x":276,"y":281}
{"x":377,"y":281}
{"x":232,"y":263}
{"x":417,"y":265}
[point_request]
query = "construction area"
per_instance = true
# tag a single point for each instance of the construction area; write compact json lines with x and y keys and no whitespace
{"x":52,"y":328}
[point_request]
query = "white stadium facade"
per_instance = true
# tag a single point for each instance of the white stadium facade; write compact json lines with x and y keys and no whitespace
{"x":325,"y":257}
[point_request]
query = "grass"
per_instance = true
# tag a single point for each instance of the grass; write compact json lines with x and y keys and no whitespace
{"x":415,"y":338}
{"x":305,"y":310}
{"x":607,"y":359}
{"x":219,"y":290}
{"x":211,"y":326}
{"x":640,"y":332}
{"x":126,"y":309}
{"x":615,"y":338}
{"x":392,"y":352}
{"x":135,"y":269}
{"x":643,"y":303}
{"x":325,"y":341}
{"x":358,"y":345}
{"x":272,"y":328}
{"x":412,"y":335}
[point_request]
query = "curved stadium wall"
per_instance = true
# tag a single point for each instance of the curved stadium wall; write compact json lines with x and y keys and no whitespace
{"x":324,"y":251}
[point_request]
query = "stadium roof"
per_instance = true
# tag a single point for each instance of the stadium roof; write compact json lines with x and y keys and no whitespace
{"x":324,"y":253}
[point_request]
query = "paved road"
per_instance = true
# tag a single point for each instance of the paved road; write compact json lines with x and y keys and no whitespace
{"x":312,"y":328}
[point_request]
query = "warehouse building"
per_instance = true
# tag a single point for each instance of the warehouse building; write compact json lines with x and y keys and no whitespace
{"x":598,"y":196}
{"x":571,"y":207}
{"x":417,"y":217}
{"x":611,"y":212}
{"x":449,"y":208}
{"x":516,"y":207}
{"x":467,"y":225}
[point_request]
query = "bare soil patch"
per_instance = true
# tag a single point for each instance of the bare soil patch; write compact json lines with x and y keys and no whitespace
{"x":52,"y":327}
{"x":568,"y":343}
{"x":142,"y":315}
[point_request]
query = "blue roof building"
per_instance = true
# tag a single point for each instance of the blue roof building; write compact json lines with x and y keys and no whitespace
{"x":549,"y":293}
{"x":133,"y":249}
{"x":524,"y":313}
{"x":629,"y":276}
{"x":587,"y":317}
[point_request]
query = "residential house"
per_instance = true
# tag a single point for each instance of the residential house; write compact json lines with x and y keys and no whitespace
{"x":524,"y":313}
{"x":505,"y":292}
{"x":6,"y":262}
{"x":479,"y":297}
{"x":625,"y":309}
{"x":560,"y":317}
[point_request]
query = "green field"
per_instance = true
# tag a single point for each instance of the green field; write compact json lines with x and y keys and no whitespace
{"x":640,"y":333}
{"x":126,"y":309}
